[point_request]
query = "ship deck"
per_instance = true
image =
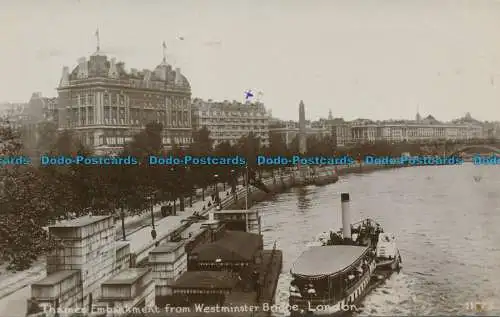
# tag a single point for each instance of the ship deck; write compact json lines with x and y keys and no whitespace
{"x":240,"y":301}
{"x":327,"y":260}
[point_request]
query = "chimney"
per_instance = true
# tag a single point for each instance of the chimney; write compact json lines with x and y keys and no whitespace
{"x":64,"y":77}
{"x":346,"y":217}
{"x":82,"y":68}
{"x":178,"y":76}
{"x":113,"y":71}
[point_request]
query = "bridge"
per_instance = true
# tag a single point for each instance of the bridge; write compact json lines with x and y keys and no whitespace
{"x":477,"y":148}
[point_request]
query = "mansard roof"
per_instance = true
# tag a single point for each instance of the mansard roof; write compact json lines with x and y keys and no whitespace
{"x":98,"y":65}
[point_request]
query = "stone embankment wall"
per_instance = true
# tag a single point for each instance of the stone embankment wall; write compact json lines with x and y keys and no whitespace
{"x":280,"y":183}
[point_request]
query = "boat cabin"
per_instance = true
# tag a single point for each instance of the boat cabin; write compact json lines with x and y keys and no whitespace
{"x":324,"y":275}
{"x":232,"y":251}
{"x":208,"y":287}
{"x":364,"y":233}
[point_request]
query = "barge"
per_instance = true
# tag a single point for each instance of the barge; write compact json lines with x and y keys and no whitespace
{"x":341,"y":267}
{"x":317,"y":175}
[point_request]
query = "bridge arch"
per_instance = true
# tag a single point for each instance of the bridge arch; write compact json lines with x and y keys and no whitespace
{"x":477,"y":147}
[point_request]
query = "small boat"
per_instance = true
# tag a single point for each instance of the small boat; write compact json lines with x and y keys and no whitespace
{"x":477,"y":178}
{"x":341,"y":267}
{"x":325,"y":176}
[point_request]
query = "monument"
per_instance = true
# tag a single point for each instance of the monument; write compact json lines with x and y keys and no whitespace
{"x":304,"y":176}
{"x":302,"y":129}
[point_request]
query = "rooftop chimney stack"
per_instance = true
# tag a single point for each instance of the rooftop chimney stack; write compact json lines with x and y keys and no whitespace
{"x":346,"y":216}
{"x":82,"y":68}
{"x":64,"y":77}
{"x":178,"y":76}
{"x":113,"y":70}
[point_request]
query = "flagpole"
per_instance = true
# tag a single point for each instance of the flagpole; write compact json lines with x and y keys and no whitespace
{"x":246,"y":201}
{"x":246,"y":196}
{"x":98,"y":40}
{"x":164,"y":52}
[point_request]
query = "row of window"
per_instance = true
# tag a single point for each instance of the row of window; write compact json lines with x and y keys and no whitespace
{"x":121,"y":139}
{"x":235,"y":114}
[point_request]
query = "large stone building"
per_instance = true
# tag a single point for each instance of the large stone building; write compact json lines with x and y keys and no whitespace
{"x":106,"y":105}
{"x":289,"y":130}
{"x":230,"y":121}
{"x":420,"y":130}
{"x":27,"y":117}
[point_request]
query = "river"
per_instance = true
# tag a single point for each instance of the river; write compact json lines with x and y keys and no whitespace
{"x":447,"y":222}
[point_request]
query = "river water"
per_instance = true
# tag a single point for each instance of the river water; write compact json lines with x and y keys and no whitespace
{"x":446,"y":220}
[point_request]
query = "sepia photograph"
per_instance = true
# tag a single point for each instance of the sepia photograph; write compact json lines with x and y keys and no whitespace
{"x":253,"y":158}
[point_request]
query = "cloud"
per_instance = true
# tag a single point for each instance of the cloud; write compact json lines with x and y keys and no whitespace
{"x":50,"y":53}
{"x":213,"y":43}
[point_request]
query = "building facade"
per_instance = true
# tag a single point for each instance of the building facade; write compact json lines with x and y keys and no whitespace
{"x":290,"y":130}
{"x":230,"y":121}
{"x":106,"y":105}
{"x":418,"y":131}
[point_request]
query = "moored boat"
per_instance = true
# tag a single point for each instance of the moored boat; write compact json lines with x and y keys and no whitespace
{"x":325,"y":176}
{"x":340,"y":268}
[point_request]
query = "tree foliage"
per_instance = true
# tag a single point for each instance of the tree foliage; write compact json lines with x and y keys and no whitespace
{"x":33,"y":196}
{"x":25,"y":201}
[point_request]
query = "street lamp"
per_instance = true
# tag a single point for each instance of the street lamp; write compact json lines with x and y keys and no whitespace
{"x":234,"y":185}
{"x":216,"y":177}
{"x":150,"y":199}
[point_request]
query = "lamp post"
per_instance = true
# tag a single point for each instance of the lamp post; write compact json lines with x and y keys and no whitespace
{"x":153,"y":230}
{"x":122,"y":216}
{"x":216,"y":177}
{"x":234,"y":185}
{"x":150,"y":199}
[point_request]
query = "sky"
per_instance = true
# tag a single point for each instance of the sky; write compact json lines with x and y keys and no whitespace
{"x":361,"y":59}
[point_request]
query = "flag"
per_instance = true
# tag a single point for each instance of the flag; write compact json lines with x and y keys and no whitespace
{"x":97,"y":32}
{"x":164,"y":44}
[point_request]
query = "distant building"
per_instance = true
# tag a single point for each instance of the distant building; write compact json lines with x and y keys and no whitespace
{"x":491,"y":130}
{"x":14,"y":113}
{"x":421,"y":130}
{"x":43,"y":108}
{"x":26,"y":117}
{"x":289,"y":130}
{"x":426,"y":129}
{"x":230,"y":121}
{"x":340,"y":131}
{"x":106,"y":105}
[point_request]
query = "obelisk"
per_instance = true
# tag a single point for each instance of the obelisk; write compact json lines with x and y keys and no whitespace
{"x":302,"y":129}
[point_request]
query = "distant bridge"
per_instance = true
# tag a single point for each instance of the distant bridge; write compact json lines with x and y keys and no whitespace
{"x":477,"y":148}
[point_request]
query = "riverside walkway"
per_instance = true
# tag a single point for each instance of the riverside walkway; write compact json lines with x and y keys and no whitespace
{"x":15,"y":289}
{"x":13,"y":303}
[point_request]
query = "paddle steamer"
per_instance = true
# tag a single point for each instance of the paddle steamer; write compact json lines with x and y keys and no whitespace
{"x":340,"y":268}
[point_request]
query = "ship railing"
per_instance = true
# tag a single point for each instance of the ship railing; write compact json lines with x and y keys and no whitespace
{"x":369,"y":220}
{"x":312,"y":301}
{"x":268,"y":269}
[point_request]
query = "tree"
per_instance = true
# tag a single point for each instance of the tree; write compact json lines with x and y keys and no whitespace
{"x":202,"y":146}
{"x":26,"y":209}
{"x":277,"y":146}
{"x":47,"y":135}
{"x":75,"y":187}
{"x":249,"y":146}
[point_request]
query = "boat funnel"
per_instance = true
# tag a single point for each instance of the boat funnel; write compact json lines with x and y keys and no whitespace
{"x":346,"y":216}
